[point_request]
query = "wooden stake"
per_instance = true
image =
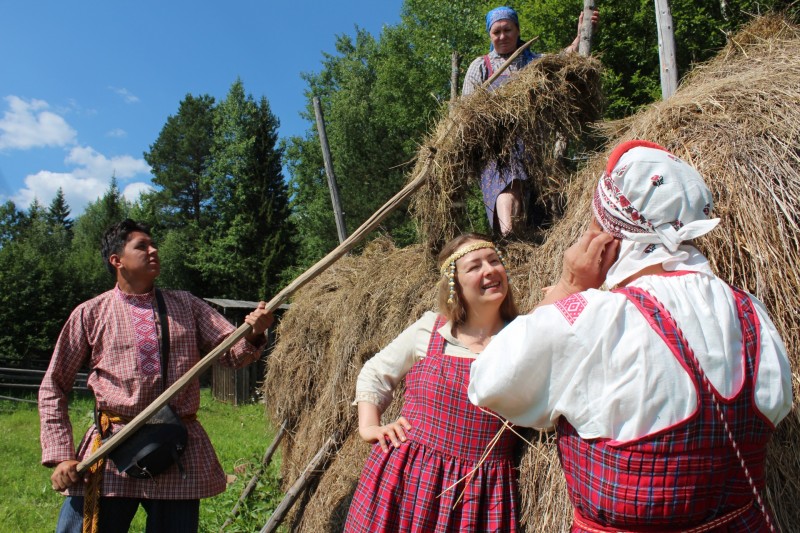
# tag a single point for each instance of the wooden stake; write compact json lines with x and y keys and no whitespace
{"x":454,"y":68}
{"x":254,"y":480}
{"x":666,"y":49}
{"x":585,"y":44}
{"x":297,"y":488}
{"x":341,"y":229}
{"x":370,"y":225}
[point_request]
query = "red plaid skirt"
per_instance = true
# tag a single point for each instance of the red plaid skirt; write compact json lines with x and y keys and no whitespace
{"x":432,"y":482}
{"x":686,"y":476}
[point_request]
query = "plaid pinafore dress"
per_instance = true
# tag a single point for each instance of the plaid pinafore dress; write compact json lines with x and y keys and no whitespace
{"x":686,"y":477}
{"x":406,"y":489}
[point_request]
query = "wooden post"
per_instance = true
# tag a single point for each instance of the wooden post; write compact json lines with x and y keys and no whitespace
{"x":254,"y":480}
{"x":297,"y":488}
{"x":370,"y":225}
{"x":585,"y":44}
{"x":341,"y":229}
{"x":454,"y":63}
{"x":666,"y":49}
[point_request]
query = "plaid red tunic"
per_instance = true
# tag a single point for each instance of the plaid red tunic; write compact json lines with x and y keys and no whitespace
{"x":684,"y":476}
{"x":406,"y":489}
{"x":99,"y":332}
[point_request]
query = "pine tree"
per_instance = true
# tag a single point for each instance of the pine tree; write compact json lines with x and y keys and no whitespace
{"x":58,"y":212}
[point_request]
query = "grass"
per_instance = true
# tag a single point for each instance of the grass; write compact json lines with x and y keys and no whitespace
{"x":240,"y":436}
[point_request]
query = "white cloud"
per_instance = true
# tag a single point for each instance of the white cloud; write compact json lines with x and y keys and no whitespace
{"x":117,"y":132}
{"x":134,"y":190}
{"x":126,"y":95}
{"x":87,"y":182}
{"x":28,"y":124}
{"x":92,"y":163}
{"x":43,"y":186}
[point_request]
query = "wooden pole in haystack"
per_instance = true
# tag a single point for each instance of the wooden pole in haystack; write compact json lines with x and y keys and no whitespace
{"x":370,"y":225}
{"x":454,"y":69}
{"x":666,"y":49}
{"x":273,"y":447}
{"x":585,"y":44}
{"x":341,"y":229}
{"x":297,"y":488}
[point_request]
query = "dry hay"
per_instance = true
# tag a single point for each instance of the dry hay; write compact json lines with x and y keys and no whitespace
{"x":336,"y":323}
{"x":551,"y":99}
{"x":737,"y":119}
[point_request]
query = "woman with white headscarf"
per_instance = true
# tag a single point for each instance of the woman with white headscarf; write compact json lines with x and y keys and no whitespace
{"x":665,"y":391}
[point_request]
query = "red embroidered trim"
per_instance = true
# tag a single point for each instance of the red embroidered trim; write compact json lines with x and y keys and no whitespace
{"x":572,"y":307}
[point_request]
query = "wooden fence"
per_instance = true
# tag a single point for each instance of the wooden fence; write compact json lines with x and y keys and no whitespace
{"x":26,"y":378}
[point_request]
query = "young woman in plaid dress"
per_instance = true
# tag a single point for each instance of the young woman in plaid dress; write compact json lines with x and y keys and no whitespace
{"x":425,"y":471}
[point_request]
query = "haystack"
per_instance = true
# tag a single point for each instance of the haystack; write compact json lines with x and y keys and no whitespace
{"x":737,"y":119}
{"x":549,"y":101}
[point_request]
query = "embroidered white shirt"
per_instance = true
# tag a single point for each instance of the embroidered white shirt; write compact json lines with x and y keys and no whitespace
{"x":595,"y":359}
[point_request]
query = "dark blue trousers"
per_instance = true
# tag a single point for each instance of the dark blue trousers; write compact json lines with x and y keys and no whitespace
{"x":116,"y":514}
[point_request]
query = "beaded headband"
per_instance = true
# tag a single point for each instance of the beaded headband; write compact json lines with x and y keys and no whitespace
{"x":449,"y":265}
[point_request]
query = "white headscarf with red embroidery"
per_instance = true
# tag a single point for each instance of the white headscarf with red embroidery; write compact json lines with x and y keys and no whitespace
{"x":654,"y":202}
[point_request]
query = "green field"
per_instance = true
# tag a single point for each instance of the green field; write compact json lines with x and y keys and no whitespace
{"x":240,"y":436}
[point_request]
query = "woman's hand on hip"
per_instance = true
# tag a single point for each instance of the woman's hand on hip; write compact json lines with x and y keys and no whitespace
{"x":394,"y":433}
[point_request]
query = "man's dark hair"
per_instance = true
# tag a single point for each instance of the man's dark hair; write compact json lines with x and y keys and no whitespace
{"x":115,"y":237}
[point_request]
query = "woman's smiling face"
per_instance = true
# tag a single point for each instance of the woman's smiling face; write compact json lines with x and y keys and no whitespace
{"x":482,"y":277}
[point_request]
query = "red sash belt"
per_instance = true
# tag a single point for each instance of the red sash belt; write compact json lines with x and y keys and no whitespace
{"x":589,"y":525}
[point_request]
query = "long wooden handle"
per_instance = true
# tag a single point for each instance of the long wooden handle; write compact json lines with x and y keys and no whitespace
{"x":320,"y":266}
{"x":367,"y":227}
{"x":508,"y":61}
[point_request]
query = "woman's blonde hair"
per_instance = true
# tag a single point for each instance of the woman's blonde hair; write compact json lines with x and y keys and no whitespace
{"x":454,"y":308}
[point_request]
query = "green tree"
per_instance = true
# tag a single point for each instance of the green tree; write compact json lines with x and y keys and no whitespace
{"x":180,"y":159}
{"x":58,"y":212}
{"x":84,"y":257}
{"x":12,"y":221}
{"x":249,"y":242}
{"x":37,"y":289}
{"x":378,"y":100}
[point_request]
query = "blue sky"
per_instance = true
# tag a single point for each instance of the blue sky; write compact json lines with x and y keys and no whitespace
{"x":85,"y":87}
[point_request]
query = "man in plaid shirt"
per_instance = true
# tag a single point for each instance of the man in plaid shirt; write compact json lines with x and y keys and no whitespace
{"x":117,"y":335}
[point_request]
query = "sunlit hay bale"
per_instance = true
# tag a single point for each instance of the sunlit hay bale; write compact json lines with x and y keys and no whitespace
{"x":550,"y":99}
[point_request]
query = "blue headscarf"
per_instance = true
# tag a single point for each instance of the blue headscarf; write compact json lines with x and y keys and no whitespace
{"x":501,"y":13}
{"x":506,"y":13}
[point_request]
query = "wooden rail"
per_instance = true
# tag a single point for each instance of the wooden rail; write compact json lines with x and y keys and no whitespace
{"x":28,"y":378}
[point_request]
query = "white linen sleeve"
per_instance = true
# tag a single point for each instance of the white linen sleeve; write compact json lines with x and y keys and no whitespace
{"x":381,"y":374}
{"x":774,"y":379}
{"x":516,"y":375}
